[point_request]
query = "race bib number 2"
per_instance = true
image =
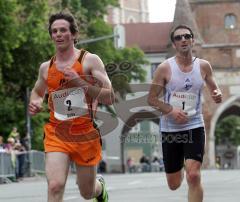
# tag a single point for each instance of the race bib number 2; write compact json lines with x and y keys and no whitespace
{"x":69,"y":103}
{"x":185,"y":101}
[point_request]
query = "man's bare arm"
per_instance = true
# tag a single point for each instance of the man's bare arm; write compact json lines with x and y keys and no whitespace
{"x":102,"y":88}
{"x":103,"y":91}
{"x":157,"y":90}
{"x":211,"y":82}
{"x":38,"y":92}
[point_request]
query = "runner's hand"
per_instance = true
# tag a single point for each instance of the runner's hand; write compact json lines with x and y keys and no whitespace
{"x":34,"y":107}
{"x":217,"y":96}
{"x":70,"y":74}
{"x":178,"y":115}
{"x":73,"y":79}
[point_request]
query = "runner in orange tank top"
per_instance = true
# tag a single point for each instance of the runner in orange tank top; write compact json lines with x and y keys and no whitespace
{"x":70,"y":133}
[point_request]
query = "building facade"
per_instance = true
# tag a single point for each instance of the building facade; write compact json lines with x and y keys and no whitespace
{"x":133,"y":11}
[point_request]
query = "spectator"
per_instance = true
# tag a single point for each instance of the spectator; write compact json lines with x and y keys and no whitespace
{"x":10,"y":149}
{"x":155,"y":165}
{"x":218,"y":162}
{"x":14,"y":133}
{"x":102,"y":167}
{"x":130,"y":165}
{"x":161,"y":164}
{"x":145,"y":163}
{"x":2,"y":145}
{"x":20,"y":152}
{"x":17,"y":152}
{"x":10,"y":144}
{"x":155,"y":159}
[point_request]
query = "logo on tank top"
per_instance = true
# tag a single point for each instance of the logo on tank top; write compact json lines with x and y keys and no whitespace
{"x":187,"y":84}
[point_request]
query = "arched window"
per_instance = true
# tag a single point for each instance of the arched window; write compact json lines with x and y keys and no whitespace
{"x":230,"y":21}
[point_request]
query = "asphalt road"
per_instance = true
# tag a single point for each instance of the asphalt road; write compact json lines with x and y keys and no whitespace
{"x":220,"y":186}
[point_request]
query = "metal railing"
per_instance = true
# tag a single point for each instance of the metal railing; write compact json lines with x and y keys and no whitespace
{"x":37,"y":162}
{"x":33,"y":164}
{"x":6,"y":165}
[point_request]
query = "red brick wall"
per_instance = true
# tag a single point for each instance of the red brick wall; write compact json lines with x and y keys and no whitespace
{"x":210,"y":21}
{"x":220,"y":58}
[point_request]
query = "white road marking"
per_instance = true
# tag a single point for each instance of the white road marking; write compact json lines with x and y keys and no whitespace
{"x":135,"y":182}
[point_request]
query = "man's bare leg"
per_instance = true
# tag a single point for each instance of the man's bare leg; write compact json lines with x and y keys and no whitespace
{"x":195,"y":190}
{"x":57,"y":166}
{"x":88,"y":185}
{"x":175,"y":179}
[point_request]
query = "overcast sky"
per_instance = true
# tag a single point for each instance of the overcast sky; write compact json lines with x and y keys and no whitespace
{"x":161,"y":10}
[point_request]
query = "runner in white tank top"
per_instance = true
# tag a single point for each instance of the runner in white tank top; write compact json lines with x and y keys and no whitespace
{"x":184,"y":91}
{"x":179,"y":81}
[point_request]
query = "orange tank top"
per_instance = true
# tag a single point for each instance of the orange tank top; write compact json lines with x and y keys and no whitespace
{"x":63,"y":100}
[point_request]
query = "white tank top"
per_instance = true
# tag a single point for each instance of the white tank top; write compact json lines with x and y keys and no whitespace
{"x":184,"y":90}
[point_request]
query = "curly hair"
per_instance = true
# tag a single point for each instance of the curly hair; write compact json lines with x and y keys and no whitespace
{"x":65,"y":16}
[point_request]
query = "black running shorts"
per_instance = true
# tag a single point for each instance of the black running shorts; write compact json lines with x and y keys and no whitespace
{"x":179,"y":146}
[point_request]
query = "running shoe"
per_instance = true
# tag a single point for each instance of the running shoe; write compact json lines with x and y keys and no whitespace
{"x":104,"y":196}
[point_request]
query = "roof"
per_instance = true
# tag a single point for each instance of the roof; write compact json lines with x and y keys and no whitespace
{"x":150,"y":37}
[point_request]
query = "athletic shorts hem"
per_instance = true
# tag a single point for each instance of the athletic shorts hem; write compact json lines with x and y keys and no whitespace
{"x":191,"y":158}
{"x":173,"y":171}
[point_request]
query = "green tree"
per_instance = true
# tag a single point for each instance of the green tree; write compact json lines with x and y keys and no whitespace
{"x":35,"y":47}
{"x":10,"y":39}
{"x":25,"y":44}
{"x":228,"y":130}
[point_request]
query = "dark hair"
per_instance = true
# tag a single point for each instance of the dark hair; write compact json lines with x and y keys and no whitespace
{"x":180,"y":27}
{"x":65,"y":16}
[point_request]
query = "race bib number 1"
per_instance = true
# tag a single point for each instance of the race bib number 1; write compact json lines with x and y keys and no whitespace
{"x":69,"y":103}
{"x":185,"y":101}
